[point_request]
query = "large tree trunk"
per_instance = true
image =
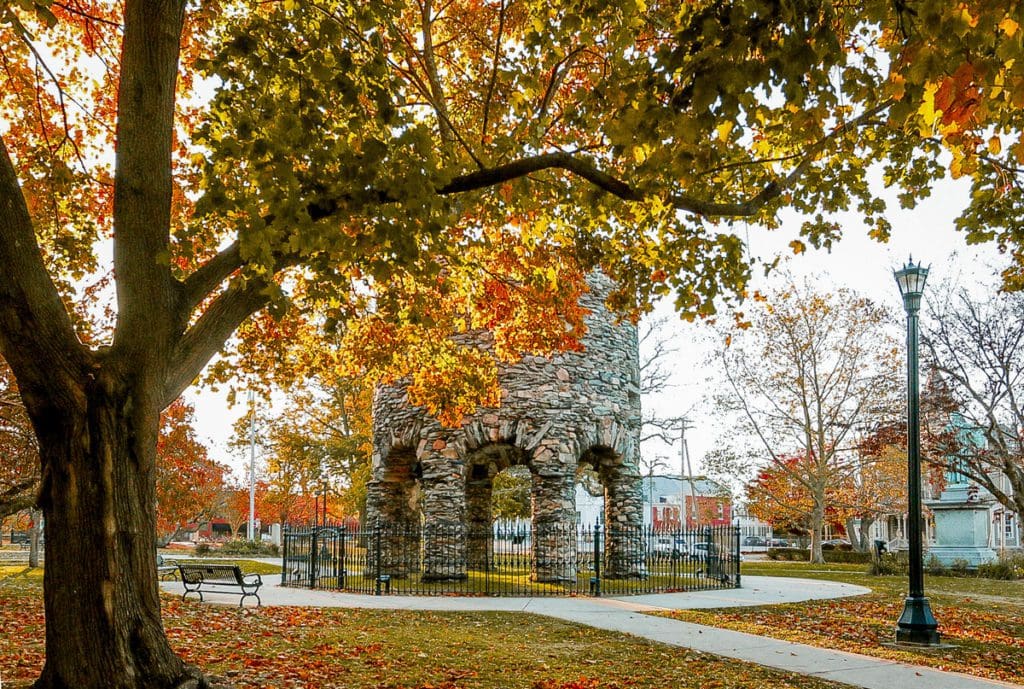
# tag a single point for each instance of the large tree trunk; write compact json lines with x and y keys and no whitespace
{"x":866,"y":543}
{"x":853,"y":534}
{"x":103,"y":627}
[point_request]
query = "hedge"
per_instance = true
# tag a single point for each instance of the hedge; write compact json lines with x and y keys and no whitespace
{"x":804,"y":555}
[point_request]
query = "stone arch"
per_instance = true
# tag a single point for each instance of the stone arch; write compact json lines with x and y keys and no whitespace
{"x":608,"y":440}
{"x":483,"y":464}
{"x":399,"y":477}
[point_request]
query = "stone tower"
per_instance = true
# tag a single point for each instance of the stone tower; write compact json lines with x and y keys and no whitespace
{"x":556,"y":414}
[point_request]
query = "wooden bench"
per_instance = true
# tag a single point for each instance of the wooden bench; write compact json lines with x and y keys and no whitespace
{"x":199,"y":577}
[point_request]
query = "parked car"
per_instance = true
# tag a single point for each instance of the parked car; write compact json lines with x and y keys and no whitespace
{"x":836,"y":544}
{"x":667,"y":546}
{"x":754,"y":540}
{"x":779,"y":543}
{"x":19,"y":538}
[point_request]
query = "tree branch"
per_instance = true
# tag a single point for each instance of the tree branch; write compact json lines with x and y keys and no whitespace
{"x":495,"y":57}
{"x":197,"y":286}
{"x":207,"y":335}
{"x":36,"y":333}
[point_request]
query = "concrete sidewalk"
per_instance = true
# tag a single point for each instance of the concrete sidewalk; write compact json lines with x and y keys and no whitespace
{"x":627,"y":615}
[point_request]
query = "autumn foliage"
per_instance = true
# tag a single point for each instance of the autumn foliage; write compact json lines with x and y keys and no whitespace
{"x":189,"y":484}
{"x":19,"y":455}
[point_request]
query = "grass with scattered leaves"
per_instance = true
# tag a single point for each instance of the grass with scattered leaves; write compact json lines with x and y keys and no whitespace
{"x":282,"y":647}
{"x":982,"y":618}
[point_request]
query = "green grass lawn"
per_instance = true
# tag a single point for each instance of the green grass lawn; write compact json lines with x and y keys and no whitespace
{"x":374,"y":649}
{"x":248,"y":566}
{"x":983,"y":618}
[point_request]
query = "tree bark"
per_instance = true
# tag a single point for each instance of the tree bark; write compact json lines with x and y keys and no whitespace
{"x":817,"y":524}
{"x":853,"y":535}
{"x":866,"y":543}
{"x":33,"y":539}
{"x":101,"y":592}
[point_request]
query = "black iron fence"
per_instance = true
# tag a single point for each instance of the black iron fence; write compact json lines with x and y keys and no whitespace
{"x":509,"y":560}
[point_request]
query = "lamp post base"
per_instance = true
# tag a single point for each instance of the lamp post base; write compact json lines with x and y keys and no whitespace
{"x":917,"y":625}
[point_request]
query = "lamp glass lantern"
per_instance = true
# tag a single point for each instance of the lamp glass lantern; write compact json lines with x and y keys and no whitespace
{"x":911,"y":280}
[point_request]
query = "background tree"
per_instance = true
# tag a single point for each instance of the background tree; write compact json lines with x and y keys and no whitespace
{"x":875,"y":488}
{"x":234,"y":506}
{"x":775,"y":496}
{"x":510,"y":494}
{"x":19,"y":456}
{"x":324,"y":432}
{"x":429,"y":169}
{"x":975,"y":344}
{"x":189,"y":485}
{"x":803,"y":376}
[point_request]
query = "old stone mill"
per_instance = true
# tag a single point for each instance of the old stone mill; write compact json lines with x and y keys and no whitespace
{"x":429,"y":526}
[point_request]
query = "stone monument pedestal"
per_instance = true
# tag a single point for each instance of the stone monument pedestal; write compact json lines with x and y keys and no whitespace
{"x":962,"y":526}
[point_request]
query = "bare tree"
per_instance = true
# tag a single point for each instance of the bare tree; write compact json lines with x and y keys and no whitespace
{"x":807,"y":373}
{"x":656,"y":349}
{"x":976,"y":345}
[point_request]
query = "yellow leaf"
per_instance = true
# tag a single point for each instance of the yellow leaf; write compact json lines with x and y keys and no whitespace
{"x":956,"y":167}
{"x":927,"y":109}
{"x":995,"y":145}
{"x":967,"y":17}
{"x":797,"y":246}
{"x":898,"y":88}
{"x":723,"y":130}
{"x":1009,"y":26}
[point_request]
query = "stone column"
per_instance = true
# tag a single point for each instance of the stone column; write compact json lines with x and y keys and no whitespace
{"x":444,"y":512}
{"x":623,"y":510}
{"x":480,"y":546}
{"x":391,"y":504}
{"x":554,"y":519}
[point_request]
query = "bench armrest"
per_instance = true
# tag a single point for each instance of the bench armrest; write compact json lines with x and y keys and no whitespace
{"x":250,"y":579}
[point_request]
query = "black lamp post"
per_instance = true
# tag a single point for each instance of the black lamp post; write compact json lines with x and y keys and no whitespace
{"x":916,"y":625}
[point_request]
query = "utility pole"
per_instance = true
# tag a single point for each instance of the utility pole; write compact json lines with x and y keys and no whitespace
{"x":252,"y":465}
{"x":686,"y":473}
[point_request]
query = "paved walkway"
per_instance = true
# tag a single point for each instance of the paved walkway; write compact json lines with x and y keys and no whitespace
{"x":627,"y":615}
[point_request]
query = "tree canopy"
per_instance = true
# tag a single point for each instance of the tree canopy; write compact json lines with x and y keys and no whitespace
{"x":439,"y":167}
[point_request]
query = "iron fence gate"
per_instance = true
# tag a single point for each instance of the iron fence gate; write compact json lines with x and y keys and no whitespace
{"x":509,"y":559}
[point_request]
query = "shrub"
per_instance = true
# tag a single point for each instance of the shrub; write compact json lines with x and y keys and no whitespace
{"x":1007,"y":567}
{"x":846,"y":556}
{"x":959,"y":567}
{"x":890,"y":564}
{"x":203,"y":549}
{"x":934,"y":566}
{"x":803,"y":555}
{"x":245,"y":547}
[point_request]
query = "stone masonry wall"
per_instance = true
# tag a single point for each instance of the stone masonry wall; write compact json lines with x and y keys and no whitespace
{"x":555,"y":413}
